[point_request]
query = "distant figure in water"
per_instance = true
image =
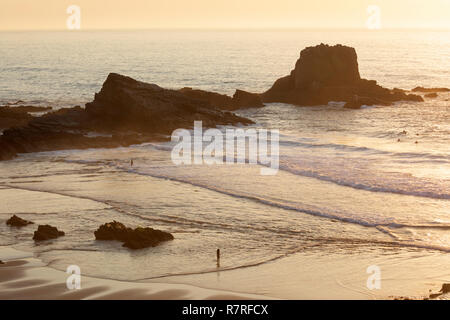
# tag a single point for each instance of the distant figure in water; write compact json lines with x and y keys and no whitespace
{"x":218,"y":258}
{"x":131,"y":162}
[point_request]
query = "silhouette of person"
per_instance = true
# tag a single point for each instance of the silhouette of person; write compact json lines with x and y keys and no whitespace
{"x":218,"y":258}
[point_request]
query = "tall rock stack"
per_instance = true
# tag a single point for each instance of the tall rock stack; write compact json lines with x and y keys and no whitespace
{"x":330,"y":73}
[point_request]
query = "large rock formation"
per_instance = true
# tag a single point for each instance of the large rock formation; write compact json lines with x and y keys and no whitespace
{"x":330,"y":73}
{"x":126,"y":111}
{"x":132,"y":238}
{"x":126,"y":104}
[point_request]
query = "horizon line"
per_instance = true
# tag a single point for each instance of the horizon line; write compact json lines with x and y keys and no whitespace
{"x":232,"y":29}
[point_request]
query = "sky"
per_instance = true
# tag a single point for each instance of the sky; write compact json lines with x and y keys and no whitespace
{"x":223,"y":14}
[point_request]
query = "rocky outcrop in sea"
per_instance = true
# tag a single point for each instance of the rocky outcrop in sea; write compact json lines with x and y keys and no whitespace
{"x":127,"y":111}
{"x":330,"y":73}
{"x":124,"y":112}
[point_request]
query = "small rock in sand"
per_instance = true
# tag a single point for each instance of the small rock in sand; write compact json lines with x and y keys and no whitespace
{"x":16,"y":221}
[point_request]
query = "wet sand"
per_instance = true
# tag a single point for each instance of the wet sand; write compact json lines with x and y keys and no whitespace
{"x":24,"y":277}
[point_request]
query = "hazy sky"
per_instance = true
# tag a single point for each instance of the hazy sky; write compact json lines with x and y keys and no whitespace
{"x":115,"y":14}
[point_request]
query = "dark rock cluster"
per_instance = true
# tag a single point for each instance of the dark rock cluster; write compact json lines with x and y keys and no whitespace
{"x":132,"y":238}
{"x":137,"y":238}
{"x":47,"y":232}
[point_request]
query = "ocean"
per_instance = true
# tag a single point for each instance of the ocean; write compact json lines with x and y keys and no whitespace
{"x":346,"y":185}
